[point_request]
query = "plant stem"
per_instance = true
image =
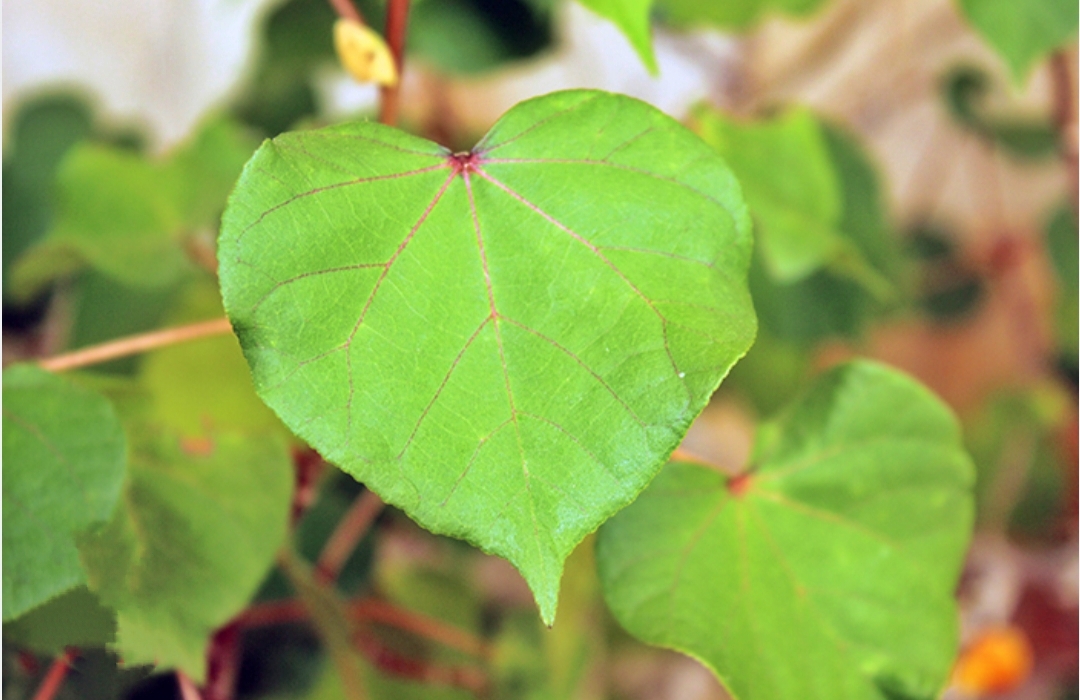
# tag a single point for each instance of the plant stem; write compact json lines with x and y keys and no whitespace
{"x":371,"y":610}
{"x":346,"y":10}
{"x":394,"y":663}
{"x":347,"y":535}
{"x":134,"y":344}
{"x":223,"y":663}
{"x":54,"y":678}
{"x":397,"y":20}
{"x":188,"y":691}
{"x":1065,"y":121}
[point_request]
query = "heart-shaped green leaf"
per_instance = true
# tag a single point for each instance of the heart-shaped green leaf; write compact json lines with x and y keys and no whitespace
{"x":825,"y":573}
{"x":64,"y":457}
{"x":507,"y":343}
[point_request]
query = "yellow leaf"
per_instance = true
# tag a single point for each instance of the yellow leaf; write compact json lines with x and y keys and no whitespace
{"x":364,"y":53}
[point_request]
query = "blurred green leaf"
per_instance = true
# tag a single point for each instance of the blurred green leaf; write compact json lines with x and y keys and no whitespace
{"x":115,"y":212}
{"x":472,"y":36}
{"x":790,"y":183}
{"x":827,"y":571}
{"x":76,"y":618}
{"x":632,"y":18}
{"x":199,"y":525}
{"x":128,"y":216}
{"x":1023,"y":32}
{"x":204,"y":386}
{"x":826,"y":260}
{"x":205,"y":169}
{"x":730,"y":14}
{"x":1061,"y":244}
{"x":1013,"y":440}
{"x":968,"y":89}
{"x":64,"y":455}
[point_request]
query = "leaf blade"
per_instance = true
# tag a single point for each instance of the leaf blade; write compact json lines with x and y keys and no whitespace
{"x":496,"y":324}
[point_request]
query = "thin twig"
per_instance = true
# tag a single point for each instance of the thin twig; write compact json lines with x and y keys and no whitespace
{"x":371,"y":610}
{"x":393,"y":663}
{"x":352,"y":528}
{"x":132,"y":345}
{"x":346,"y":10}
{"x":54,"y":678}
{"x":188,"y":691}
{"x":397,"y":20}
{"x":1065,"y":120}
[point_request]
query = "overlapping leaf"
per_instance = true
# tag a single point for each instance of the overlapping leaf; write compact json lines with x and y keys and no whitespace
{"x":825,"y":573}
{"x":196,"y":532}
{"x":1023,"y":32}
{"x":507,"y":343}
{"x":64,"y":456}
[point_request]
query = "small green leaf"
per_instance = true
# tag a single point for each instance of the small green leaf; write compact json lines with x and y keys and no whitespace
{"x":1023,"y":32}
{"x":115,"y":213}
{"x":128,"y":216}
{"x":64,"y":455}
{"x":205,"y":170}
{"x":729,"y":14}
{"x":784,"y":168}
{"x":632,"y":18}
{"x":506,"y":344}
{"x":197,"y":531}
{"x":825,"y":573}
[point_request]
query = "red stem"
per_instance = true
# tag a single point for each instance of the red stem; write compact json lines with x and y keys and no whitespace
{"x":1064,"y":120}
{"x":223,"y":663}
{"x":370,"y":610}
{"x":343,"y":540}
{"x":54,"y":678}
{"x":346,"y":10}
{"x":394,"y":663}
{"x":188,"y":691}
{"x":397,"y":20}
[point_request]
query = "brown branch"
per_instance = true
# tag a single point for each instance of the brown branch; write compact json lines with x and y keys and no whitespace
{"x":347,"y":535}
{"x":1065,"y":121}
{"x":132,"y":345}
{"x":371,"y":610}
{"x":397,"y":20}
{"x":54,"y":678}
{"x":394,"y":663}
{"x":346,"y":10}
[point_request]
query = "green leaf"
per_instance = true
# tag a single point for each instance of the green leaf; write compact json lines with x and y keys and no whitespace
{"x":128,"y":216}
{"x":64,"y":455}
{"x":632,"y":18}
{"x":202,"y":387}
{"x":827,"y":572}
{"x":1023,"y":32}
{"x":1061,"y":244}
{"x":506,"y":344}
{"x":197,"y":531}
{"x":205,"y":170}
{"x":76,"y":618}
{"x":729,"y":14}
{"x":784,"y":168}
{"x":115,"y":212}
{"x":831,"y":301}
